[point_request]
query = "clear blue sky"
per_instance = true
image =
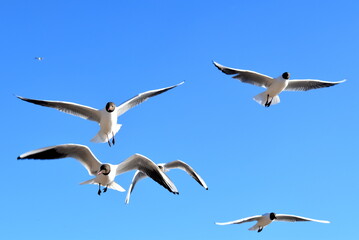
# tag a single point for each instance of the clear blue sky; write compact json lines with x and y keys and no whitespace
{"x":298,"y":157}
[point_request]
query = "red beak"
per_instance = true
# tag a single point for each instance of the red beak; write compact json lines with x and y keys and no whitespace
{"x":100,"y":172}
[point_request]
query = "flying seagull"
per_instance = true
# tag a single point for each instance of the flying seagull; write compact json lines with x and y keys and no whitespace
{"x":107,"y":117}
{"x":104,"y":173}
{"x":274,"y":86}
{"x":267,"y":218}
{"x":165,"y":167}
{"x":39,"y":58}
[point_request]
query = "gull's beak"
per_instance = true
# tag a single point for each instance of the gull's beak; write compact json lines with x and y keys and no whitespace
{"x":100,"y":172}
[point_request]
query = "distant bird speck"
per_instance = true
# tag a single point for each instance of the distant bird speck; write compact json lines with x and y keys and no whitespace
{"x":39,"y":58}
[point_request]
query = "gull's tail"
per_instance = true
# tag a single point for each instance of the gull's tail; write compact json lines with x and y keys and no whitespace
{"x":263,"y":98}
{"x":102,"y":137}
{"x":116,"y":187}
{"x":91,"y":181}
{"x":112,"y":185}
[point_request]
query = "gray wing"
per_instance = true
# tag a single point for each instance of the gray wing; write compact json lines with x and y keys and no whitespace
{"x":243,"y":220}
{"x":145,"y":165}
{"x":75,"y":109}
{"x":137,"y":177}
{"x":80,"y":152}
{"x":247,"y":76}
{"x":140,"y":98}
{"x":308,"y":84}
{"x":185,"y":167}
{"x":293,"y":218}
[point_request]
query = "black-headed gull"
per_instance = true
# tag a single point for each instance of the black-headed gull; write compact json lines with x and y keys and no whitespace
{"x":39,"y":58}
{"x":267,"y":218}
{"x":107,"y":117}
{"x":274,"y":86}
{"x":165,"y":167}
{"x":105,"y":173}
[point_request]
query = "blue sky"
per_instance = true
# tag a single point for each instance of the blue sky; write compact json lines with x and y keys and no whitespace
{"x":298,"y":157}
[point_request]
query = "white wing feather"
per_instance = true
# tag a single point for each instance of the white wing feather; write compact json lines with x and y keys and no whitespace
{"x":80,"y":152}
{"x":243,"y":220}
{"x":247,"y":76}
{"x":140,"y":98}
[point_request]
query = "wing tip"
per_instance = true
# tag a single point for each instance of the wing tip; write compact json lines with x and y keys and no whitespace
{"x":217,"y":65}
{"x":19,"y":97}
{"x":219,"y":223}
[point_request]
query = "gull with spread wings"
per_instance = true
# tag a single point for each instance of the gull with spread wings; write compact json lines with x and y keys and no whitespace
{"x":107,"y":117}
{"x":104,"y":173}
{"x":274,"y":86}
{"x":165,"y":167}
{"x":267,"y":218}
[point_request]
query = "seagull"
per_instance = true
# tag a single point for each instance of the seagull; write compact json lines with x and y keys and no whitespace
{"x":267,"y":218}
{"x":104,"y":173}
{"x":39,"y":58}
{"x":274,"y":86}
{"x":165,"y":167}
{"x":107,"y":117}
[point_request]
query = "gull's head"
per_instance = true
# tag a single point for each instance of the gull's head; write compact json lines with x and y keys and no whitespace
{"x":286,"y":75}
{"x":272,"y":216}
{"x":110,"y":107}
{"x":162,"y":167}
{"x":105,"y":169}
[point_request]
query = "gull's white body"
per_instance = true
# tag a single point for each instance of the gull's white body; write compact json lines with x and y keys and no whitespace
{"x":262,"y":222}
{"x":267,"y":218}
{"x":274,"y":86}
{"x":278,"y":85}
{"x":108,"y":126}
{"x":106,"y":119}
{"x":106,"y":180}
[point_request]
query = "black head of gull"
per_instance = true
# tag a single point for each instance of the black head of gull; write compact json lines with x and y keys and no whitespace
{"x":110,"y":107}
{"x":272,"y":216}
{"x":286,"y":75}
{"x":105,"y":169}
{"x":162,"y":167}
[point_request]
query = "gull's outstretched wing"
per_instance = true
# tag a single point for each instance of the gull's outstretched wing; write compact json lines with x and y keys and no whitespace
{"x":185,"y":167}
{"x":293,"y":218}
{"x":137,"y":177}
{"x":308,"y":84}
{"x":80,"y":152}
{"x":145,"y":165}
{"x":75,"y":109}
{"x":247,"y":76}
{"x":140,"y":98}
{"x":243,"y":220}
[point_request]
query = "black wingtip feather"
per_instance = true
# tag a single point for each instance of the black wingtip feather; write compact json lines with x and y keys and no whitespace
{"x":51,"y":153}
